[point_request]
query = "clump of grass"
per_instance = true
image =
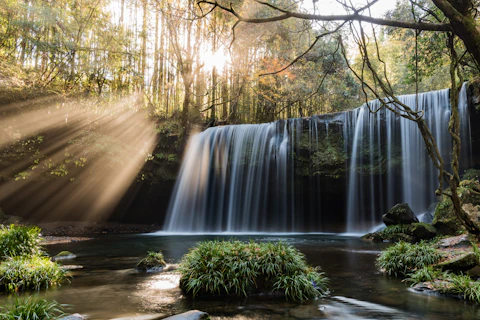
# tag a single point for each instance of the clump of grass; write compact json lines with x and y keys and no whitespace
{"x":31,"y":309}
{"x":403,"y":258}
{"x":425,"y":274}
{"x":18,"y":240}
{"x":464,"y":286}
{"x":152,"y":260}
{"x":395,"y":229}
{"x":235,"y":267}
{"x":35,"y":272}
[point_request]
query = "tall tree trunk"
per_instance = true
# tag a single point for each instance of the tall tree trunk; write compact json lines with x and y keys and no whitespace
{"x":462,"y":16}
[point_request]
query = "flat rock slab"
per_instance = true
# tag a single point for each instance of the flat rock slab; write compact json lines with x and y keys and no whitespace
{"x":455,"y":242}
{"x":190,"y":315}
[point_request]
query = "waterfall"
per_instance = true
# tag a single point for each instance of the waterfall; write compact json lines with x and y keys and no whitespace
{"x":327,"y":173}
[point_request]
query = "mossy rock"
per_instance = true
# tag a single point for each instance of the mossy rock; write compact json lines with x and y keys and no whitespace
{"x":460,"y":263}
{"x":445,"y":220}
{"x":399,"y":214}
{"x":153,"y":262}
{"x":423,"y":231}
{"x":474,"y":93}
{"x":469,"y":191}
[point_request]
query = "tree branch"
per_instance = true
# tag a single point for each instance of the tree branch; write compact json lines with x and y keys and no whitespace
{"x":346,"y":17}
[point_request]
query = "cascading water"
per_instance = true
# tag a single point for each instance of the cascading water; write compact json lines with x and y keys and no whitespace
{"x":328,"y":173}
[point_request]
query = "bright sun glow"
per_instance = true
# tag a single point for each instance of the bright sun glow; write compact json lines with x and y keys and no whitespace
{"x":216,"y":60}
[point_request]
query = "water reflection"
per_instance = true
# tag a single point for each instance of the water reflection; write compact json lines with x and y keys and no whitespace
{"x":109,"y":287}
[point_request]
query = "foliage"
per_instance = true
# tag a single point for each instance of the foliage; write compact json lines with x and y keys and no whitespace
{"x":152,"y":260}
{"x":235,"y":267}
{"x":34,"y":272}
{"x":471,"y":174}
{"x":394,"y":229}
{"x":403,"y":258}
{"x":465,"y":286}
{"x":425,"y":274}
{"x":31,"y":309}
{"x":16,"y":240}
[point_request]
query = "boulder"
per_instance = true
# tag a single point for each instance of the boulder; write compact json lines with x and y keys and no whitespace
{"x":399,"y":214}
{"x":190,"y":315}
{"x":421,"y":231}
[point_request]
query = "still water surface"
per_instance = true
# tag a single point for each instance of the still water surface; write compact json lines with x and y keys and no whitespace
{"x":109,"y":287}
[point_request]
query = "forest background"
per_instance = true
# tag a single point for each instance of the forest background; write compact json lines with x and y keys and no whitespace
{"x":91,"y":87}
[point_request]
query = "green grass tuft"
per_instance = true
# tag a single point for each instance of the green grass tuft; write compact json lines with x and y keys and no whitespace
{"x":19,"y":241}
{"x":425,"y":274}
{"x":403,"y":258}
{"x":24,"y":273}
{"x":31,"y":309}
{"x":464,"y":286}
{"x":235,"y":267}
{"x":395,"y":229}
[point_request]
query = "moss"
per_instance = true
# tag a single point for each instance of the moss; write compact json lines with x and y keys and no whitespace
{"x":326,"y":157}
{"x":471,"y":174}
{"x":423,"y":231}
{"x":445,"y":220}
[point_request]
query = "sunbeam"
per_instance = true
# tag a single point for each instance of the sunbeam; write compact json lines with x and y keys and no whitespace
{"x":70,"y":159}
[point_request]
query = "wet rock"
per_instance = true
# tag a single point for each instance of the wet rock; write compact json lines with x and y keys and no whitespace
{"x":399,"y":214}
{"x":143,"y":317}
{"x":71,"y":267}
{"x":461,"y":262}
{"x":75,"y":316}
{"x":190,"y":315}
{"x":428,"y":216}
{"x":422,"y":231}
{"x":12,"y":219}
{"x":307,"y":312}
{"x":426,"y":287}
{"x":374,"y":237}
{"x":64,"y":255}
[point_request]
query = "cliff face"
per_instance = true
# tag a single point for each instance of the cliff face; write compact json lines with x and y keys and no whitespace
{"x":341,"y":167}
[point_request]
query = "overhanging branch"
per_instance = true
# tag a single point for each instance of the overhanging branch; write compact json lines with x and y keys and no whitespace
{"x":284,"y":15}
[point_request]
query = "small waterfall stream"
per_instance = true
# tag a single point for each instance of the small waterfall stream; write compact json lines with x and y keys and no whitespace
{"x":327,"y":173}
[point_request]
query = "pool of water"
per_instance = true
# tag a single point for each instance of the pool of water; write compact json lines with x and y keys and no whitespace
{"x":109,"y":287}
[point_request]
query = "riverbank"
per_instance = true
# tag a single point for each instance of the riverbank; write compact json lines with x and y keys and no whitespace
{"x":81,"y":228}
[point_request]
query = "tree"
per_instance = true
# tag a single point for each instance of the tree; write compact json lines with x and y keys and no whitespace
{"x":456,"y":18}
